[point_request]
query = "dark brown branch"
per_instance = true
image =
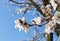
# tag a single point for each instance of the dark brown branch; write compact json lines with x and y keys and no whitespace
{"x":57,"y":30}
{"x":37,"y":7}
{"x":50,"y":37}
{"x":45,"y":2}
{"x":18,"y":2}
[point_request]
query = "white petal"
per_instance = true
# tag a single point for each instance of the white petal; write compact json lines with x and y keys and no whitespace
{"x":53,"y":4}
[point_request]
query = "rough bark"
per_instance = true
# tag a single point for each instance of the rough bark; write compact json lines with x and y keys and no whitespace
{"x":49,"y":37}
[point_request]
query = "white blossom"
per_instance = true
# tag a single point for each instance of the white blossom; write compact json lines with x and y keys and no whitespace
{"x":50,"y":27}
{"x":37,"y":21}
{"x":20,"y":25}
{"x":56,"y":17}
{"x":57,"y":14}
{"x":53,"y":4}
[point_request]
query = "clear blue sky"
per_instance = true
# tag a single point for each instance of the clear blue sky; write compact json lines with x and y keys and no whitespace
{"x":7,"y":29}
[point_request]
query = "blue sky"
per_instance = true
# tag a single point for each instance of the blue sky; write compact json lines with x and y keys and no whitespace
{"x":7,"y":29}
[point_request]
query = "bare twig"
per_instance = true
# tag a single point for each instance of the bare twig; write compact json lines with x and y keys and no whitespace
{"x":18,"y":2}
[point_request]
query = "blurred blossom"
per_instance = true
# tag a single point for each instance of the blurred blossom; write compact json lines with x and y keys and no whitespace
{"x":50,"y":27}
{"x":56,"y":17}
{"x":21,"y":24}
{"x":53,"y":4}
{"x":48,"y":8}
{"x":37,"y":21}
{"x":47,"y":11}
{"x":52,"y":24}
{"x":57,"y":13}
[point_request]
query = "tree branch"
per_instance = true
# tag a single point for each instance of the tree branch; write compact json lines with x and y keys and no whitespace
{"x":45,"y":2}
{"x":37,"y":7}
{"x":31,"y":3}
{"x":18,"y":2}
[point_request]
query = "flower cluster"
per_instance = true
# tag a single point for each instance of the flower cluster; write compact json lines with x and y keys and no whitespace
{"x":21,"y":24}
{"x":47,"y":11}
{"x":53,"y":4}
{"x":37,"y":21}
{"x":56,"y":17}
{"x":50,"y":27}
